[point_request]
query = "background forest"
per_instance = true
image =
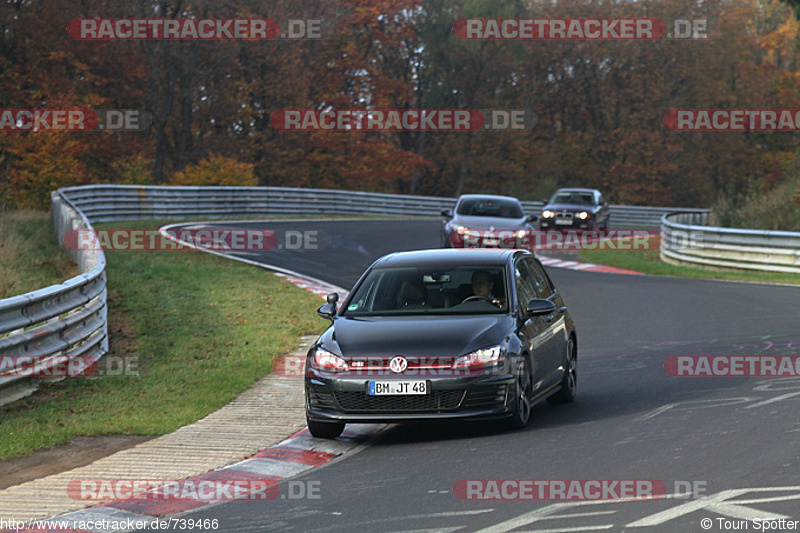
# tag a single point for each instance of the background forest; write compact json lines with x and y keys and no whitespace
{"x":600,"y":104}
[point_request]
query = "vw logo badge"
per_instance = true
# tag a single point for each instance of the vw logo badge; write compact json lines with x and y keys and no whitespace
{"x":398,"y":364}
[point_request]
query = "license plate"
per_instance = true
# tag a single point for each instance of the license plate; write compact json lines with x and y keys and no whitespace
{"x":563,"y":221}
{"x":394,"y":388}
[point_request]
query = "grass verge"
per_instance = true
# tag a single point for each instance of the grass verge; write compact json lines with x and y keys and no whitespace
{"x":203,"y":328}
{"x":649,"y":262}
{"x":30,"y":257}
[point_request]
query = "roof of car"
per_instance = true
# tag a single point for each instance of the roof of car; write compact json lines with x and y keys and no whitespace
{"x":489,"y":197}
{"x":447,"y":257}
{"x":576,"y":189}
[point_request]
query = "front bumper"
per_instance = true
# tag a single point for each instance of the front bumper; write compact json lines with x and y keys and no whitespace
{"x":503,"y":239}
{"x":575,"y":223}
{"x":345,"y":398}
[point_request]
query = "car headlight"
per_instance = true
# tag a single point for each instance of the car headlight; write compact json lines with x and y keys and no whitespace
{"x":486,"y":357}
{"x":548,"y":214}
{"x":461,"y":230}
{"x":583,"y":215}
{"x":330,"y":362}
{"x":520,"y":233}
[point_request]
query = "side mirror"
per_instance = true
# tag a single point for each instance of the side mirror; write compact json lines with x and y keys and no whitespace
{"x":539,"y":307}
{"x":328,"y":310}
{"x":447,"y":213}
{"x":531,"y":218}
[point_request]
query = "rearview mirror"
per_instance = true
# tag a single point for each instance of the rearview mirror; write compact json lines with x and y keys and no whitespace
{"x":447,"y":213}
{"x":328,"y":310}
{"x":531,"y":218}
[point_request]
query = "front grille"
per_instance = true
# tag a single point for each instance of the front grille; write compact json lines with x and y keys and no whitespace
{"x":564,"y":216}
{"x":437,"y":400}
{"x":486,"y":397}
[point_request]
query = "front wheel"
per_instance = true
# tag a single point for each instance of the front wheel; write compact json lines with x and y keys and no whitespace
{"x":325,"y":430}
{"x":569,"y":383}
{"x":522,"y":395}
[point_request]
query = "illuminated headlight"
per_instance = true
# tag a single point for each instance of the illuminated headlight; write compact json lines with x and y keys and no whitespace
{"x":325,"y":360}
{"x":548,"y":214}
{"x":487,"y":357}
{"x":583,"y":215}
{"x":520,"y":234}
{"x":461,"y":230}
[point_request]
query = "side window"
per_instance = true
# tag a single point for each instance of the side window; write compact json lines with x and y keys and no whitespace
{"x":526,"y":288}
{"x":538,"y":279}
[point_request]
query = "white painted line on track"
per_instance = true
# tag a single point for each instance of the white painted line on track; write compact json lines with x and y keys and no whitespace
{"x":773,"y":400}
{"x":656,"y":412}
{"x":604,"y":527}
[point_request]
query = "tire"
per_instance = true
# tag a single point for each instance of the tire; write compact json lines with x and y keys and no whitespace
{"x":325,"y":430}
{"x":569,"y":383}
{"x":523,"y":387}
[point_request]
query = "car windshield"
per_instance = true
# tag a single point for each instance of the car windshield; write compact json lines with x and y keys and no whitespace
{"x":489,"y":207}
{"x":430,"y":290}
{"x":573,"y":198}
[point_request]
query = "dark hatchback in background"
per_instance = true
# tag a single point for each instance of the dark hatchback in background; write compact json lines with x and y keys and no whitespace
{"x":575,"y":209}
{"x":442,"y":334}
{"x":477,"y":215}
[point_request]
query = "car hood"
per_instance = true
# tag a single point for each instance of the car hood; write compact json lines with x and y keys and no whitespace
{"x":497,"y":223}
{"x":570,"y":208}
{"x":426,"y":335}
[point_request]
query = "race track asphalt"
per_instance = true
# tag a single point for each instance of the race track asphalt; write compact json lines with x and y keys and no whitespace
{"x":630,"y":421}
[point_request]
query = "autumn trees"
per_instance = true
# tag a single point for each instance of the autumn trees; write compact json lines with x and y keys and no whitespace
{"x":599,"y":104}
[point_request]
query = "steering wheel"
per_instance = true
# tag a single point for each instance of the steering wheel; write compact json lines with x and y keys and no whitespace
{"x":479,"y":297}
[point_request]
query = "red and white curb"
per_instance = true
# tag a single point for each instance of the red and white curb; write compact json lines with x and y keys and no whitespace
{"x":294,"y":456}
{"x":585,"y":267}
{"x":320,"y":289}
{"x":314,"y":285}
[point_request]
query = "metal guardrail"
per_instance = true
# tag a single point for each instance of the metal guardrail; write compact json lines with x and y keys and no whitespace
{"x":106,"y":203}
{"x":685,"y":238}
{"x":70,"y":318}
{"x":63,"y":320}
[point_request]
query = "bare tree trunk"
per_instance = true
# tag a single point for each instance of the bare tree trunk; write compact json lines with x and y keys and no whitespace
{"x":463,"y":170}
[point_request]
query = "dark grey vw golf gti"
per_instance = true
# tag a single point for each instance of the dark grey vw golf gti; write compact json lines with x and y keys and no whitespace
{"x":442,"y":334}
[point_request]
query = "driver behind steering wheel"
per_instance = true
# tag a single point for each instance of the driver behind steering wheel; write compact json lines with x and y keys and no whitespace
{"x":482,"y":285}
